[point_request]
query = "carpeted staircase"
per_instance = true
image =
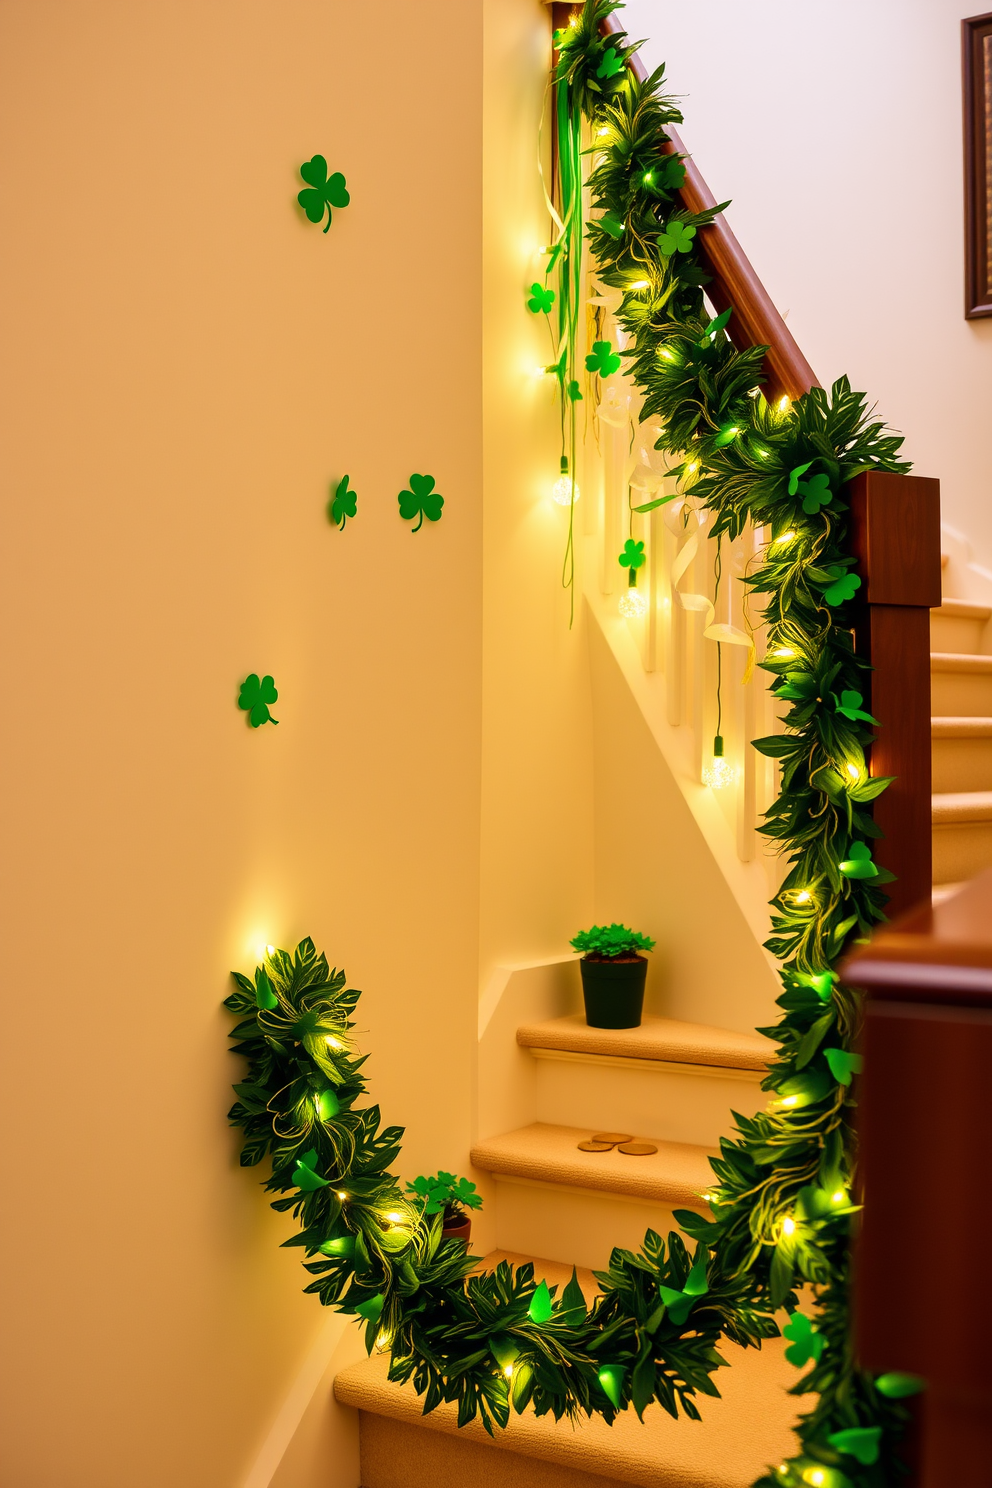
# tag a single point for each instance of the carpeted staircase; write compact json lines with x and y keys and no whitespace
{"x":961,"y":708}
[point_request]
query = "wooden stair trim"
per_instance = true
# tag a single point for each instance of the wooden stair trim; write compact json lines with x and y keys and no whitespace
{"x":665,"y":1040}
{"x":678,"y":1174}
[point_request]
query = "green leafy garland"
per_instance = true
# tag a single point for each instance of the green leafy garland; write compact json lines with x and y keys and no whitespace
{"x":782,"y":1204}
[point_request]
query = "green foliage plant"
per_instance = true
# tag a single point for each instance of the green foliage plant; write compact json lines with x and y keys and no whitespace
{"x":443,"y":1193}
{"x":611,"y":942}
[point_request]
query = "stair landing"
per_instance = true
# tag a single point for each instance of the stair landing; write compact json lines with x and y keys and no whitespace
{"x":740,"y":1435}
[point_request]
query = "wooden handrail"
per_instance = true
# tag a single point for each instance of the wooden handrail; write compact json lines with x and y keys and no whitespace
{"x":923,"y":1291}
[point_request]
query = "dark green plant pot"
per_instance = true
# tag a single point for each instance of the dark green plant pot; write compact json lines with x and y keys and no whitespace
{"x":614,"y":991}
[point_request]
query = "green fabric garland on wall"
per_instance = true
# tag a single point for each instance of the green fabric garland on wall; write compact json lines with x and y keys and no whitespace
{"x":781,"y":1205}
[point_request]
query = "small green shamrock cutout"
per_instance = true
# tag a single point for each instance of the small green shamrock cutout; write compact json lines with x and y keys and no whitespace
{"x":343,"y":504}
{"x":322,"y":193}
{"x":256,"y":697}
{"x":680,"y":1304}
{"x":815,"y":492}
{"x":677,"y":238}
{"x":305,"y":1176}
{"x":611,"y":223}
{"x":541,"y":1307}
{"x":421,"y":501}
{"x":843,"y":586}
{"x":632,"y":555}
{"x":896,"y":1386}
{"x":611,"y":65}
{"x":806,"y":1344}
{"x":541,"y":298}
{"x":674,"y":172}
{"x":860,"y":1442}
{"x":602,"y":359}
{"x":859,"y":864}
{"x":843,"y":1065}
{"x":850,"y":707}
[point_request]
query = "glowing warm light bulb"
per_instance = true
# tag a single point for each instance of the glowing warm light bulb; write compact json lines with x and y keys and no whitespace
{"x":838,"y":1197}
{"x":641,"y":284}
{"x":717,"y":772}
{"x":394,"y":1217}
{"x":508,"y":1370}
{"x":786,"y":537}
{"x":664,"y":352}
{"x":334,"y":1043}
{"x":783,"y":653}
{"x":603,"y":131}
{"x":853,"y":771}
{"x":633,"y":605}
{"x":788,"y":1225}
{"x":789,"y":1100}
{"x":784,"y":404}
{"x":815,"y":1476}
{"x":803,"y":897}
{"x":692,"y":467}
{"x":565,"y":492}
{"x":342,"y":1197}
{"x":270,"y":950}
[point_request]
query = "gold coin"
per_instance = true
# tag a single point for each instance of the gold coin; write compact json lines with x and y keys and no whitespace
{"x":596,"y":1146}
{"x":638,"y":1149}
{"x":612,"y":1138}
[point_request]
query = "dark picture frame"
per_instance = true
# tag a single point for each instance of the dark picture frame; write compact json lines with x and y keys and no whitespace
{"x":976,"y":40}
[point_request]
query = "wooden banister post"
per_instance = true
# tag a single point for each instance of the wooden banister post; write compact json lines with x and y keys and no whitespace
{"x":922,"y":1285}
{"x":895,"y":535}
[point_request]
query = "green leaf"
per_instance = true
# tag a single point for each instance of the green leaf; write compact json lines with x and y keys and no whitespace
{"x":264,"y":995}
{"x":611,"y":1378}
{"x":541,"y":1307}
{"x":421,"y":501}
{"x":612,"y":224}
{"x":859,"y":864}
{"x":255,"y":698}
{"x":612,"y":64}
{"x":860,"y":1442}
{"x":812,"y":1039}
{"x":850,"y":707}
{"x":897,"y":1386}
{"x":323,"y":192}
{"x":305,"y":1177}
{"x":843,"y":1064}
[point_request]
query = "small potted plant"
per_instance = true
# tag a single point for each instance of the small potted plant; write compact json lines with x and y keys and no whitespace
{"x":613,"y":974}
{"x":445,"y":1194}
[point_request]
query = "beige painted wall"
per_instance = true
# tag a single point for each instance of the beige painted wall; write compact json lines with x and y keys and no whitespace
{"x":188,"y":364}
{"x":837,"y":132}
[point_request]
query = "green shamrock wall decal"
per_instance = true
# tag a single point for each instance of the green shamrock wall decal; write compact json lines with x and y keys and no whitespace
{"x":677,"y":237}
{"x":421,"y":501}
{"x":842,"y":1064}
{"x":602,"y":359}
{"x":541,"y":298}
{"x":611,"y":65}
{"x":322,"y":192}
{"x":343,"y":504}
{"x":256,"y":697}
{"x":850,"y":707}
{"x":859,"y":864}
{"x":632,"y":555}
{"x":807,"y":1344}
{"x":842,"y":585}
{"x":860,"y":1442}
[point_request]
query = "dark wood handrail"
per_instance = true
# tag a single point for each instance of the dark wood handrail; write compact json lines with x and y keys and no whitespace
{"x":923,"y":1291}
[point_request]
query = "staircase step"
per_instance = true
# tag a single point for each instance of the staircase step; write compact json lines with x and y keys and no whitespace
{"x":740,"y":1434}
{"x":962,"y":835}
{"x":962,"y":727}
{"x":960,"y":683}
{"x":962,"y":754}
{"x":957,"y":625}
{"x":677,"y":1174}
{"x":657,"y":1040}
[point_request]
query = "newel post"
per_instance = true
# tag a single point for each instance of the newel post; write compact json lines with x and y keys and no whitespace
{"x":895,"y":533}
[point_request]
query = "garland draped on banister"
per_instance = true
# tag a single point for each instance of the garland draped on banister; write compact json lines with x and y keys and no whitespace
{"x":782,"y":1198}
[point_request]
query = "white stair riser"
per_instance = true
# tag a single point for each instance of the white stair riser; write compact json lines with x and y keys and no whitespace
{"x":680,"y":1104}
{"x":577,"y":1226}
{"x":961,"y":850}
{"x":961,"y":694}
{"x":949,"y":633}
{"x":962,"y":764}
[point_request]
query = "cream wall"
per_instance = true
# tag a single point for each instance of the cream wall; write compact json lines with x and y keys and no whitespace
{"x":837,"y":132}
{"x":188,"y":364}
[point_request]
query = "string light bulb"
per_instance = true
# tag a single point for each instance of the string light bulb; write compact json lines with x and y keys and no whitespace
{"x":803,"y":897}
{"x":332,"y":1041}
{"x":784,"y":404}
{"x":853,"y":771}
{"x":788,"y":1225}
{"x":787,"y":537}
{"x":718,"y":773}
{"x":565,"y":492}
{"x":633,"y":605}
{"x":342,"y":1197}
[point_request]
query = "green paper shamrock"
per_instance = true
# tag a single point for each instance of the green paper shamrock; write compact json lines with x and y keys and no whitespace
{"x":328,"y":1105}
{"x":421,"y":501}
{"x":304,"y":1175}
{"x":541,"y":1306}
{"x":843,"y":585}
{"x":677,"y":238}
{"x":807,"y":1344}
{"x":611,"y":223}
{"x":859,"y":864}
{"x":264,"y":995}
{"x":256,"y":697}
{"x":343,"y":504}
{"x":541,"y":298}
{"x":611,"y":1379}
{"x":860,"y":1442}
{"x":322,"y":193}
{"x":898,"y":1386}
{"x":680,"y":1304}
{"x":674,"y":173}
{"x":843,"y":1065}
{"x":850,"y":707}
{"x":795,"y":475}
{"x":632,"y":555}
{"x":815,"y":492}
{"x":611,"y":65}
{"x":602,"y":359}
